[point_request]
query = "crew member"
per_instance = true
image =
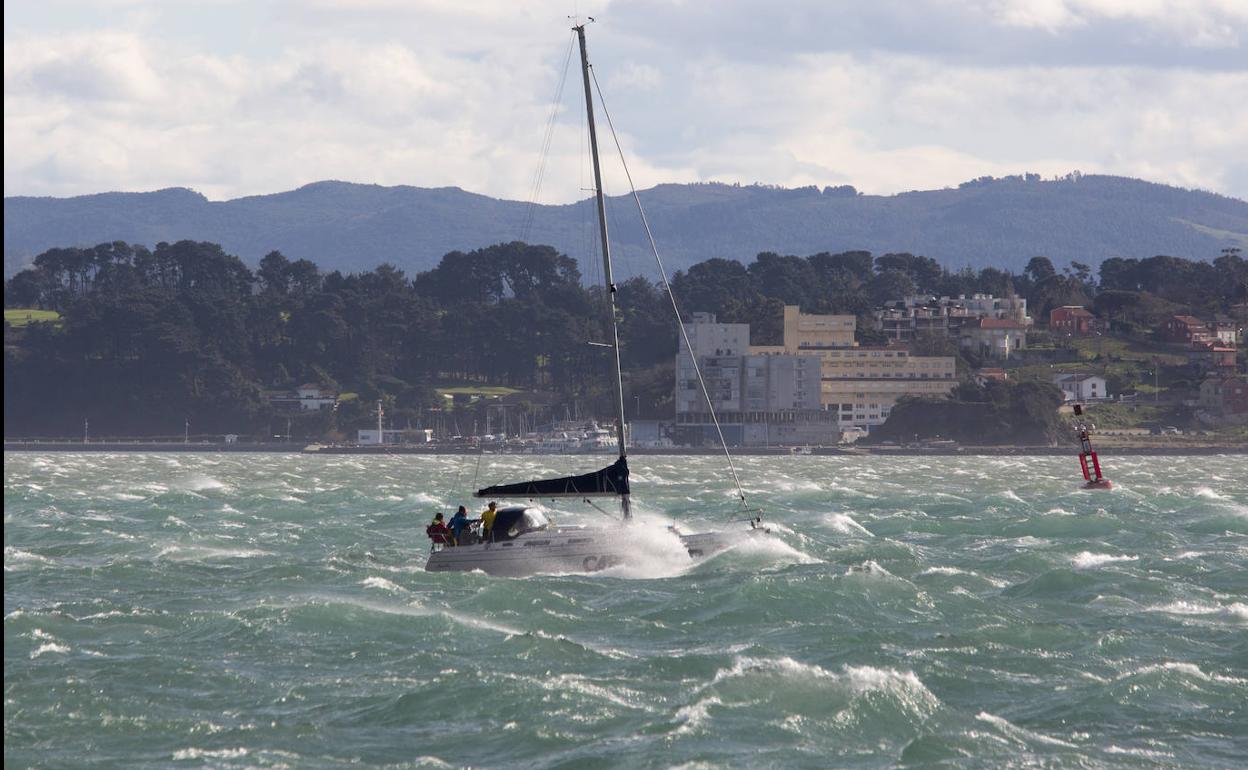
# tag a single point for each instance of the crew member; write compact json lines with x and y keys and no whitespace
{"x":458,"y":522}
{"x":487,"y":520}
{"x":438,"y":531}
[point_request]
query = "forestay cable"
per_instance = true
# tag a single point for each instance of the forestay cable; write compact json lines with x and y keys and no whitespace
{"x":654,"y":249}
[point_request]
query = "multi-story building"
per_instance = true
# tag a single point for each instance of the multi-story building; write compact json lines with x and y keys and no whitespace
{"x":856,"y":386}
{"x":1212,"y":357}
{"x":709,"y":337}
{"x":1185,"y":330}
{"x":1224,"y":399}
{"x":1011,"y":308}
{"x":863,"y":385}
{"x":810,"y":333}
{"x":1074,"y":320}
{"x":1226,"y":330}
{"x":994,"y":337}
{"x":759,"y":398}
{"x":918,"y":315}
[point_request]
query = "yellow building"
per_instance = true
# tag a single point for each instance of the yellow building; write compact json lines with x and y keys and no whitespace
{"x":860,"y":384}
{"x":863,"y":384}
{"x":804,"y":332}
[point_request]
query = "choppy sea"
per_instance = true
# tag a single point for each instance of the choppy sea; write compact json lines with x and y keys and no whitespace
{"x":225,"y":610}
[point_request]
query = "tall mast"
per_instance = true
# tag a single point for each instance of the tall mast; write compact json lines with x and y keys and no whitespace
{"x":606,"y":246}
{"x":606,"y":251}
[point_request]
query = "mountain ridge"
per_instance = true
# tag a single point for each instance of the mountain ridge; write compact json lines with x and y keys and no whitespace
{"x":356,"y":226}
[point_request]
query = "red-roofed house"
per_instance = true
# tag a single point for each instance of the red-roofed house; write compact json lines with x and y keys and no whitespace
{"x":994,"y":337}
{"x":1073,"y":320}
{"x":1212,"y":357}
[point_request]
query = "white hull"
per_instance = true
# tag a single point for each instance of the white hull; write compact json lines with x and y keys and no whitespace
{"x":567,"y":549}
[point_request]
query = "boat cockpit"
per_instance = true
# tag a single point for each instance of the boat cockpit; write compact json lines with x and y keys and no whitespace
{"x":516,"y":520}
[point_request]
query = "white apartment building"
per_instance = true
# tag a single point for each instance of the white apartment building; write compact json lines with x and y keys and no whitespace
{"x":817,"y":368}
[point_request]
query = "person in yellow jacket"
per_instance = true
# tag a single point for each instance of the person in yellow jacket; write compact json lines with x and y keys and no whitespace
{"x":487,"y":521}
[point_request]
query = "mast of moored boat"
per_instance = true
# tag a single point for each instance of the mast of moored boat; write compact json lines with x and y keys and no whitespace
{"x":606,"y":255}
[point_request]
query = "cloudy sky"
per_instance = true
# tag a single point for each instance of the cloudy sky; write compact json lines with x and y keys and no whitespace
{"x":240,"y":97}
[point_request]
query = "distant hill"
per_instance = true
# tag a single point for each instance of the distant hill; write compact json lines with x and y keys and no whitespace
{"x":351,"y":227}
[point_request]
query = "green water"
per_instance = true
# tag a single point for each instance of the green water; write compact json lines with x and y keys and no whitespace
{"x":272,"y":611}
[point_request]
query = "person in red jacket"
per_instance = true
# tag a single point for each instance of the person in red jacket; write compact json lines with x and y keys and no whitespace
{"x":438,"y":532}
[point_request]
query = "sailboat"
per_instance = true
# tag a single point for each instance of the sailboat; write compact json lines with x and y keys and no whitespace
{"x":523,"y":541}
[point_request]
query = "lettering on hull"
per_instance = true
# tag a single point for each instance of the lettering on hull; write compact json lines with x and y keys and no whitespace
{"x":596,"y":563}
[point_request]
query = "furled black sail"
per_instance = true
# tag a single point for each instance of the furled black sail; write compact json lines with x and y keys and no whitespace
{"x":610,"y":481}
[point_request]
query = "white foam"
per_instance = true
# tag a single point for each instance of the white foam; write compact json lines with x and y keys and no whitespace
{"x":1187,"y":669}
{"x":1058,"y":512}
{"x":620,"y":696}
{"x":1186,"y":608}
{"x":1235,"y":612}
{"x":773,"y":549}
{"x":1019,"y":733}
{"x":868,"y":567}
{"x":194,"y":753}
{"x":382,"y":583}
{"x":1089,"y":560}
{"x":203,"y":552}
{"x":970,"y":573}
{"x":905,"y":685}
{"x":654,"y":551}
{"x":16,"y":558}
{"x":800,"y":485}
{"x":200,"y":483}
{"x":47,"y":647}
{"x":694,"y":715}
{"x":1029,"y":541}
{"x":845,"y":524}
{"x":1144,"y":753}
{"x":945,"y":571}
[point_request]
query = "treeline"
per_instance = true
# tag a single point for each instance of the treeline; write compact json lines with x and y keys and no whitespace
{"x":150,"y":337}
{"x":996,"y":413}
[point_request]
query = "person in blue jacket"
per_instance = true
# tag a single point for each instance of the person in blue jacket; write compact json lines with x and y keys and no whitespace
{"x":458,"y":522}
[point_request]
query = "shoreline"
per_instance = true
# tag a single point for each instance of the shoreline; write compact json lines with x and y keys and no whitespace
{"x":1176,"y":449}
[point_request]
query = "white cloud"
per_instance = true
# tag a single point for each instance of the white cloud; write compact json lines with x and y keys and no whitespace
{"x":434,"y":94}
{"x":1211,"y":23}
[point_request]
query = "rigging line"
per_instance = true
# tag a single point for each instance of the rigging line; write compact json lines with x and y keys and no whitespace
{"x":539,"y":175}
{"x":476,"y":476}
{"x":593,"y":505}
{"x":654,"y":249}
{"x":459,"y":474}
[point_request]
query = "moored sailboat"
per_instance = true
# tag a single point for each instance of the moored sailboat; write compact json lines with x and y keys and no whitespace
{"x":522,"y":540}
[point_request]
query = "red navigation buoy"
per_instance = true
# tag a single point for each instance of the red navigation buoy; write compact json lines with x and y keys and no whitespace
{"x":1091,"y":472}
